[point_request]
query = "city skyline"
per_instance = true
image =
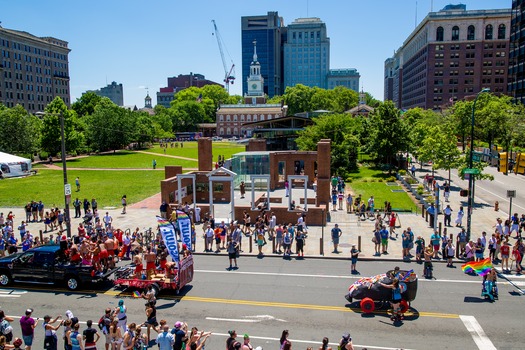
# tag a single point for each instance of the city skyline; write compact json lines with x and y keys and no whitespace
{"x":141,"y":45}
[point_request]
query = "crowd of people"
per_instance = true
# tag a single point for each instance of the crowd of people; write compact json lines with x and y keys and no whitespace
{"x":114,"y":331}
{"x":265,"y":229}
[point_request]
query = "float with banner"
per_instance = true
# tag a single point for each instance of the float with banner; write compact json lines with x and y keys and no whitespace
{"x":177,"y":273}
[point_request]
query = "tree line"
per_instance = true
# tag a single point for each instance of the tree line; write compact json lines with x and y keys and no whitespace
{"x":94,"y":123}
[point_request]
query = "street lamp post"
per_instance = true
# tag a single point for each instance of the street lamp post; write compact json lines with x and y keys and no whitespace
{"x":67,"y":187}
{"x":471,"y":182}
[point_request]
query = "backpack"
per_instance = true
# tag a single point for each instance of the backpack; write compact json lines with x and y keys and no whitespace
{"x":5,"y":327}
{"x":104,"y":322}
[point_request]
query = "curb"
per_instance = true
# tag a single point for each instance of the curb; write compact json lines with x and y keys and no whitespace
{"x":321,"y":257}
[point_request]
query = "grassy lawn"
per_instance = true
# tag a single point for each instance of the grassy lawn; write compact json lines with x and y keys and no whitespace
{"x":106,"y":186}
{"x":382,"y":193}
{"x":127,"y":159}
{"x":190,"y":150}
{"x":365,"y":182}
{"x":368,"y":173}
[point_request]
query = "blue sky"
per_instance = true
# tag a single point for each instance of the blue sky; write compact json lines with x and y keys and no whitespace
{"x":140,"y":43}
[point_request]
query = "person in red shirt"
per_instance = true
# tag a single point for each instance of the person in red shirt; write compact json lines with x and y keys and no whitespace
{"x":392,"y":224}
{"x":517,"y":256}
{"x":505,"y":252}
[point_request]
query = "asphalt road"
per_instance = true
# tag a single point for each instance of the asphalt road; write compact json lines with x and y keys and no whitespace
{"x":265,"y":296}
{"x":496,"y":190}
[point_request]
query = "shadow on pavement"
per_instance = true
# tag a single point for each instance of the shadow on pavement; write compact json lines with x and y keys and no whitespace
{"x":476,"y":300}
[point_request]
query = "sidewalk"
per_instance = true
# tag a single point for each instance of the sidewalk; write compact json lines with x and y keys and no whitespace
{"x":142,"y":215}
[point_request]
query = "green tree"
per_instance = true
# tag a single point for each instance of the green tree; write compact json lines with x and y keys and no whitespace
{"x":440,"y":147}
{"x":344,"y":132}
{"x":143,"y":128}
{"x":298,"y":98}
{"x":344,"y":99}
{"x":388,"y":136}
{"x":162,"y":122}
{"x":187,"y":114}
{"x":277,"y":99}
{"x":20,"y":131}
{"x":51,"y":140}
{"x":85,"y":105}
{"x":417,"y":122}
{"x":110,"y":127}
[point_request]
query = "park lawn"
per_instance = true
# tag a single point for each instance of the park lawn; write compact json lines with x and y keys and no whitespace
{"x":369,"y":173}
{"x":106,"y":186}
{"x":129,"y":160}
{"x":190,"y":150}
{"x":382,"y":193}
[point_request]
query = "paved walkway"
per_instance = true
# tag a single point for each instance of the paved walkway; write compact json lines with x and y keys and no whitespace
{"x":168,"y":155}
{"x":142,"y":215}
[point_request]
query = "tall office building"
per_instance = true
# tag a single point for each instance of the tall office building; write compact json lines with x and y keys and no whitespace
{"x":307,"y":53}
{"x":33,"y":70}
{"x":268,"y":31}
{"x":113,"y":91}
{"x":347,"y":77}
{"x":452,"y":53}
{"x":517,"y":51}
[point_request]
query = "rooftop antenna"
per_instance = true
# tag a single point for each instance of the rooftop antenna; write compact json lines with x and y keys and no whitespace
{"x":307,"y":7}
{"x":431,"y":5}
{"x":415,"y":21}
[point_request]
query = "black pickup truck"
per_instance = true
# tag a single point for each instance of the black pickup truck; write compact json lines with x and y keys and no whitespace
{"x":44,"y":265}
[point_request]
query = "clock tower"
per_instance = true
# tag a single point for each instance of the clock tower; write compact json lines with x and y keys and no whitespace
{"x":255,"y":80}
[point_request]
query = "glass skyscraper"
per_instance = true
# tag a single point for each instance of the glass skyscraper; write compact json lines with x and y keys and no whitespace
{"x":517,"y":51}
{"x":307,"y":53}
{"x":268,"y":31}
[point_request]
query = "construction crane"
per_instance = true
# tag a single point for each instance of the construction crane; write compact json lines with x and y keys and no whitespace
{"x":229,"y":74}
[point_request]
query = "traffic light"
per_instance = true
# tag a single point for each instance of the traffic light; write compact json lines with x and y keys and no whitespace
{"x":503,"y":165}
{"x":519,"y":168}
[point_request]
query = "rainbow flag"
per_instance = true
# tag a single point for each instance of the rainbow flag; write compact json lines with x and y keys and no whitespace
{"x":481,"y":267}
{"x":182,"y":215}
{"x":136,"y":294}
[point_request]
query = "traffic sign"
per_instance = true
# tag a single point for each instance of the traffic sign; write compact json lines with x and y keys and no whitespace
{"x":476,"y":156}
{"x":472,"y":171}
{"x":511,"y":193}
{"x":67,"y":189}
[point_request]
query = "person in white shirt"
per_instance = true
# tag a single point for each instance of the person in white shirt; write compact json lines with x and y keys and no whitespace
{"x":208,"y":236}
{"x":107,"y":220}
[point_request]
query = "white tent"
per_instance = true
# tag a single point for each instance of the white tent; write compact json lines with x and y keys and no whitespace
{"x":11,"y":165}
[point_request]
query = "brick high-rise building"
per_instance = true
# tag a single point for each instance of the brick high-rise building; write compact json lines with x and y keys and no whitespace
{"x":181,"y":82}
{"x":517,"y":51}
{"x":33,"y":70}
{"x":451,"y":54}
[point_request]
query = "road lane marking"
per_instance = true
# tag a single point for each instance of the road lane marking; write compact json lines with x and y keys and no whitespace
{"x":232,"y":320}
{"x":301,"y":306}
{"x":329,"y":276}
{"x":478,"y":334}
{"x":277,"y":339}
{"x":311,"y":342}
{"x":11,"y":293}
